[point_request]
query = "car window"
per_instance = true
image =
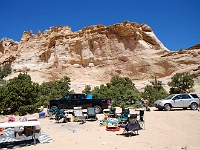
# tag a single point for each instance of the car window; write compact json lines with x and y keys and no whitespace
{"x":177,"y":97}
{"x":169,"y":97}
{"x":186,"y":96}
{"x":79,"y":96}
{"x":75,"y":97}
{"x":67,"y":97}
{"x":194,"y":95}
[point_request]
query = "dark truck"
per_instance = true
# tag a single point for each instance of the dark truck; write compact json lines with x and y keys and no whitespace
{"x":74,"y":100}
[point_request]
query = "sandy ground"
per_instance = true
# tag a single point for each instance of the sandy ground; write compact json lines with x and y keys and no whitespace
{"x":176,"y":129}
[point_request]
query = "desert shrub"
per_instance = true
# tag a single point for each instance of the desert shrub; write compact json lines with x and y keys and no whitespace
{"x":19,"y":91}
{"x":154,"y":92}
{"x":181,"y":83}
{"x":5,"y":71}
{"x":87,"y":89}
{"x":27,"y":109}
{"x":21,"y":95}
{"x":120,"y":90}
{"x":181,"y":51}
{"x":53,"y":89}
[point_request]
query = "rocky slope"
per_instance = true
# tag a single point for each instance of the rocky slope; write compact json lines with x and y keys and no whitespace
{"x":92,"y":55}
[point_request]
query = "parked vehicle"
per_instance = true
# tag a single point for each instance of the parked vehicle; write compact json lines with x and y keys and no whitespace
{"x":74,"y":100}
{"x":178,"y":101}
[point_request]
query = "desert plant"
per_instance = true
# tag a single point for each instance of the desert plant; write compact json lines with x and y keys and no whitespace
{"x":27,"y":109}
{"x":153,"y":92}
{"x":53,"y":89}
{"x":181,"y":83}
{"x":87,"y":89}
{"x":19,"y":91}
{"x":120,"y":90}
{"x":5,"y":71}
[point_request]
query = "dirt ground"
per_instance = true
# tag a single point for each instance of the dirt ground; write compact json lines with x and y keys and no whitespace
{"x":170,"y":130}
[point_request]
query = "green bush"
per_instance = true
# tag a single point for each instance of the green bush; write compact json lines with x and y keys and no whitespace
{"x":154,"y":92}
{"x":27,"y":109}
{"x":54,"y":89}
{"x":120,"y":90}
{"x":21,"y":95}
{"x":181,"y":83}
{"x":19,"y":91}
{"x":5,"y":71}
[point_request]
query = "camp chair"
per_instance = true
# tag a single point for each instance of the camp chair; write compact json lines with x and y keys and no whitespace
{"x":52,"y":111}
{"x":141,"y":119}
{"x":123,"y":118}
{"x":111,"y":113}
{"x":78,"y":114}
{"x":132,"y":118}
{"x":91,"y":114}
{"x":60,"y":114}
{"x":132,"y":126}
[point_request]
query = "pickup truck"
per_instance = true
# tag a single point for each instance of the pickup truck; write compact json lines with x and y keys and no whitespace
{"x":178,"y":101}
{"x":74,"y":100}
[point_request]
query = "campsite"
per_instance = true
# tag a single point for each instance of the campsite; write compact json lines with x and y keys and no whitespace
{"x":175,"y":129}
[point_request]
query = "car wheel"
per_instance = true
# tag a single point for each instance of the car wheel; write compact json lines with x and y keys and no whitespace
{"x":98,"y":109}
{"x":167,"y":107}
{"x":194,"y":106}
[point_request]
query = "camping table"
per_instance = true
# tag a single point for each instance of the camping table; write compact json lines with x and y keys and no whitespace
{"x":20,"y":124}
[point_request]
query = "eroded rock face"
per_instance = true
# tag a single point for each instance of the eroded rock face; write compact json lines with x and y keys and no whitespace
{"x":197,"y":46}
{"x":93,"y":54}
{"x":8,"y":51}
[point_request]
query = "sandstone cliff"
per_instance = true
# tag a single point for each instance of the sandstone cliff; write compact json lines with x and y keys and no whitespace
{"x":92,"y":55}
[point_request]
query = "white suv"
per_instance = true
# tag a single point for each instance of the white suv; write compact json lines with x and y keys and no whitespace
{"x":178,"y":101}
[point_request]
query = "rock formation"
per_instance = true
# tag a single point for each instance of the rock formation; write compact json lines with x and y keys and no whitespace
{"x":92,"y":55}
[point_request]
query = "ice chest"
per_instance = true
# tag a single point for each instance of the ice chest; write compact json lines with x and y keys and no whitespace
{"x":42,"y":115}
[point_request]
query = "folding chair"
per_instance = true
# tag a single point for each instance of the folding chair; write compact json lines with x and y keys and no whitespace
{"x":111,"y":113}
{"x":78,"y":114}
{"x":61,"y":116}
{"x":132,"y":126}
{"x":123,"y":118}
{"x":91,"y":114}
{"x":132,"y":118}
{"x":52,"y":112}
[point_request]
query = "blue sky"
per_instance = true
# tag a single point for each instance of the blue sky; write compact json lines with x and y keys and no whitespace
{"x":175,"y":22}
